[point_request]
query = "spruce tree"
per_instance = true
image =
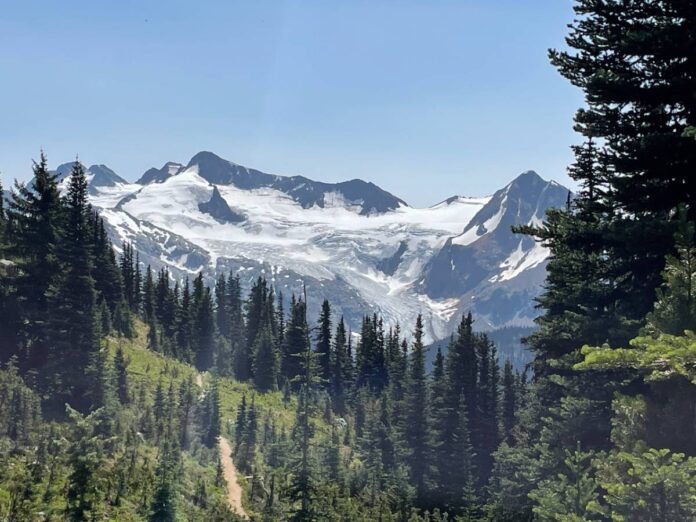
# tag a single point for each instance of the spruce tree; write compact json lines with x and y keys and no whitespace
{"x":148,"y":306}
{"x":164,"y":503}
{"x":509,"y":403}
{"x":107,"y":276}
{"x":36,"y":213}
{"x":296,"y":342}
{"x":240,"y":422}
{"x":222,"y":312}
{"x":213,"y":426}
{"x":203,"y":325}
{"x":241,"y":360}
{"x":121,"y":373}
{"x":342,"y":368}
{"x":73,"y":320}
{"x":266,"y":361}
{"x":323,"y":343}
{"x":417,"y":429}
{"x":441,"y":442}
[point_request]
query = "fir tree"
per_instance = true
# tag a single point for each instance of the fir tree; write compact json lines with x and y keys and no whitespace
{"x":509,"y":402}
{"x":342,"y":368}
{"x":296,"y":342}
{"x":36,"y":213}
{"x":73,"y":320}
{"x":240,"y":423}
{"x":213,"y":427}
{"x":148,"y":306}
{"x":323,"y":340}
{"x":121,"y":381}
{"x":164,"y":502}
{"x":266,"y":361}
{"x":417,"y":430}
{"x":203,"y":325}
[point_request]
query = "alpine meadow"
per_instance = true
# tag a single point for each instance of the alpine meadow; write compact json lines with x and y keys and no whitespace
{"x":208,"y":342}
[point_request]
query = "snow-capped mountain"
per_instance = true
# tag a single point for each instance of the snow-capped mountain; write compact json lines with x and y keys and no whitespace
{"x":354,"y":243}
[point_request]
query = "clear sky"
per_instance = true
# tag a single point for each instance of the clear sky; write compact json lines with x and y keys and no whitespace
{"x":425,"y":98}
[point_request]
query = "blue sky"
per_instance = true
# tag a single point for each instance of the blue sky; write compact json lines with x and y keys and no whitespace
{"x":426,"y":99}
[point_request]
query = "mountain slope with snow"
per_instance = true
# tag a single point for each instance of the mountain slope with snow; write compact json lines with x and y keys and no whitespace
{"x":354,"y":243}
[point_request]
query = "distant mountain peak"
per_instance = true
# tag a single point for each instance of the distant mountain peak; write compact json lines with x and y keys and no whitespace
{"x":101,"y":175}
{"x":154,"y":175}
{"x":356,"y":192}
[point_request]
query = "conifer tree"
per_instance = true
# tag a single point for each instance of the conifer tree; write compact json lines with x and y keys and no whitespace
{"x":303,"y":488}
{"x":250,"y":436}
{"x":323,"y":346}
{"x":213,"y":428}
{"x":186,"y":404}
{"x":73,"y":320}
{"x":164,"y":502}
{"x":83,"y":456}
{"x":104,"y":315}
{"x":222,"y":312}
{"x":296,"y":342}
{"x":342,"y":368}
{"x":486,"y":436}
{"x":240,"y":422}
{"x":148,"y":295}
{"x":675,"y":308}
{"x":509,"y":402}
{"x":121,"y":376}
{"x":107,"y":276}
{"x":256,"y":309}
{"x":417,"y":430}
{"x":240,"y":363}
{"x":122,"y":320}
{"x":464,"y":486}
{"x":441,"y":442}
{"x":153,"y":337}
{"x":203,"y":325}
{"x":36,"y":213}
{"x":266,"y":361}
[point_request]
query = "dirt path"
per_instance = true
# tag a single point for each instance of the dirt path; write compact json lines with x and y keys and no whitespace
{"x":234,"y":490}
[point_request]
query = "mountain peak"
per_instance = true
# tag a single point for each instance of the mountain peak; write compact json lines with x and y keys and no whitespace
{"x":528,"y":178}
{"x":154,"y":175}
{"x":103,"y":176}
{"x":366,"y":195}
{"x":205,"y":157}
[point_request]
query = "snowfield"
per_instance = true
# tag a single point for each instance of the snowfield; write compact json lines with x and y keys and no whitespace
{"x":438,"y":261}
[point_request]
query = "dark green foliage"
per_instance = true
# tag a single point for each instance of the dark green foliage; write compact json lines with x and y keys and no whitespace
{"x":203,"y":321}
{"x":296,"y":341}
{"x":509,"y":403}
{"x":303,"y":489}
{"x":73,"y":323}
{"x":323,"y":346}
{"x":371,"y":366}
{"x":19,"y":406}
{"x":266,"y":361}
{"x":212,"y":425}
{"x":122,"y":320}
{"x":417,"y":430}
{"x":84,"y":458}
{"x":36,"y":215}
{"x":342,"y":371}
{"x":107,"y":275}
{"x":121,"y":377}
{"x":164,"y":502}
